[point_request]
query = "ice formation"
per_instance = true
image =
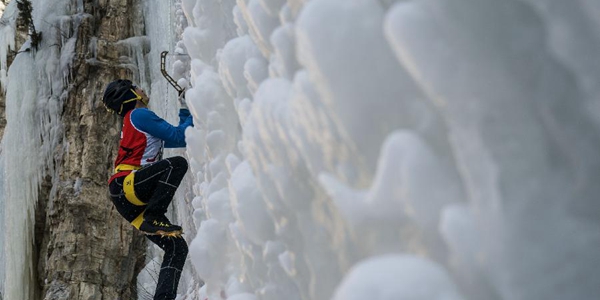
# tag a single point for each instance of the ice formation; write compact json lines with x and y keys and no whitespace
{"x":460,"y":132}
{"x":34,"y":88}
{"x":447,"y":144}
{"x":392,"y":277}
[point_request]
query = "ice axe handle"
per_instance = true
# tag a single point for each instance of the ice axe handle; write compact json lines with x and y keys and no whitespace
{"x":163,"y":59}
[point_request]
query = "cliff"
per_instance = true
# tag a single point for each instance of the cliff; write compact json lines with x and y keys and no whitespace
{"x":86,"y":250}
{"x":83,"y":249}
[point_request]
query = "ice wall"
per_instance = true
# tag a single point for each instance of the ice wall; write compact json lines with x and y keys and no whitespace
{"x":7,"y":36}
{"x":163,"y":26}
{"x":393,"y":149}
{"x":35,"y":88}
{"x":520,"y":126}
{"x":19,"y":144}
{"x":8,"y":24}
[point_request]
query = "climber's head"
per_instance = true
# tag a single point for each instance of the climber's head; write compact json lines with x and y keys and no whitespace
{"x":122,"y":96}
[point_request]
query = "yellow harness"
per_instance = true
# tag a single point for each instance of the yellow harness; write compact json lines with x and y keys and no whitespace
{"x":125,"y":167}
{"x":130,"y":192}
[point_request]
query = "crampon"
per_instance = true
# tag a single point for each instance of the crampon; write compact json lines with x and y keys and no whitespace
{"x":161,"y":233}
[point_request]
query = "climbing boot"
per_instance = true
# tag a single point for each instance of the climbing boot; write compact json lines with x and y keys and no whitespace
{"x":159,"y":226}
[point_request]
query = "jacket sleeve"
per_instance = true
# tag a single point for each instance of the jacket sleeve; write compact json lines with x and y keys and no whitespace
{"x":173,"y":136}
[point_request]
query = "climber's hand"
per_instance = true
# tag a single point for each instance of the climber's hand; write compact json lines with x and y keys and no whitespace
{"x":181,"y":99}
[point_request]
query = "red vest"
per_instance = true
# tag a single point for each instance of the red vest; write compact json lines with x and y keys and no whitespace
{"x":136,"y":148}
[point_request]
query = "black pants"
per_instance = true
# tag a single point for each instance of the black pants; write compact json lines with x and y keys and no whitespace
{"x":176,"y":251}
{"x":155,"y":185}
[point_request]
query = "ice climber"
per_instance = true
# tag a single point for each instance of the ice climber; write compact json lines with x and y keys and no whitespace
{"x":143,"y":184}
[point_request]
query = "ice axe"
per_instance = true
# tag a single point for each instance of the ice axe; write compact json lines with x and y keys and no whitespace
{"x":163,"y":70}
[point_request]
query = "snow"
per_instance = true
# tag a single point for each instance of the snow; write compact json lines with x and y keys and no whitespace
{"x":518,"y":146}
{"x":369,"y":149}
{"x":429,"y":141}
{"x":282,"y":62}
{"x":248,"y":205}
{"x":212,"y":30}
{"x":392,"y":277}
{"x":385,"y":133}
{"x":260,"y":21}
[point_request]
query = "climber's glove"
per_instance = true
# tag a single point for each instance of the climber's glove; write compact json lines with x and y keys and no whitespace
{"x":181,"y":99}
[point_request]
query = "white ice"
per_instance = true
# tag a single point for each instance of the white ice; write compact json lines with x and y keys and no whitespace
{"x":371,"y":148}
{"x":392,"y":277}
{"x":460,"y":132}
{"x":8,"y":25}
{"x":34,"y":85}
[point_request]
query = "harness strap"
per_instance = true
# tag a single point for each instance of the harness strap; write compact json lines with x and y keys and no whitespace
{"x":130,"y":192}
{"x":126,"y":167}
{"x":138,"y":221}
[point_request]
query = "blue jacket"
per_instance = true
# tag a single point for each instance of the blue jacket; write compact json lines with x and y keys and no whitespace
{"x":174,"y":136}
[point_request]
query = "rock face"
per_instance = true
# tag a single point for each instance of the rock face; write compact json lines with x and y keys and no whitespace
{"x":86,"y":250}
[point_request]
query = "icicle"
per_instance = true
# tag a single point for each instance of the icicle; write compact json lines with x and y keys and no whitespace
{"x":137,"y":46}
{"x":34,"y":97}
{"x":93,"y":47}
{"x":20,"y":145}
{"x":8,"y":23}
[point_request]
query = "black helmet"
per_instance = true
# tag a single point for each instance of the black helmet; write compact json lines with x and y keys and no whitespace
{"x":120,"y":97}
